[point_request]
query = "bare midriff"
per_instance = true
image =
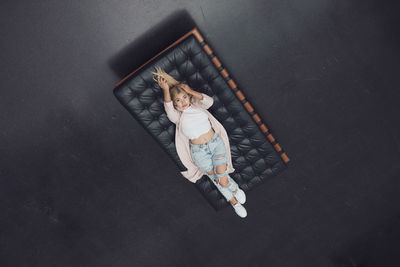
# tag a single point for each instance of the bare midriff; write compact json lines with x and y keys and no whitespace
{"x":204,"y":138}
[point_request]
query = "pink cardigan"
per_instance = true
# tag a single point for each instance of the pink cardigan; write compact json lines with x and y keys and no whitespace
{"x":193,"y":173}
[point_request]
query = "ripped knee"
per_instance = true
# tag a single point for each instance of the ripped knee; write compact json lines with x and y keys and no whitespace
{"x":221,"y":169}
{"x":223,"y":181}
{"x":220,"y":157}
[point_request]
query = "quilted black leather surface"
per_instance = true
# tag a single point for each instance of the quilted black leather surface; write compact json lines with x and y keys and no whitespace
{"x":253,"y":156}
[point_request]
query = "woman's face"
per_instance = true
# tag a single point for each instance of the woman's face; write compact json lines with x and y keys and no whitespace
{"x":182,"y":101}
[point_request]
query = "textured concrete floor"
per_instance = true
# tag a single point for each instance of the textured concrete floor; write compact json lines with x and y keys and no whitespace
{"x":82,"y":184}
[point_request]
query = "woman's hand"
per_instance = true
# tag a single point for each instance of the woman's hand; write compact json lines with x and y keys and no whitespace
{"x":191,"y":92}
{"x":162,"y":82}
{"x":187,"y":88}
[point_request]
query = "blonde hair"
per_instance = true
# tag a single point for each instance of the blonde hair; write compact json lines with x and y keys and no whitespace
{"x":173,"y":84}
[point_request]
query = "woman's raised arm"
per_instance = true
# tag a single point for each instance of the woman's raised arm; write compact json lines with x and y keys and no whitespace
{"x":172,"y":113}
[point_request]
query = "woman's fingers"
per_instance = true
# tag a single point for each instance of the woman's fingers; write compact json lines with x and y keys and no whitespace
{"x":161,"y":81}
{"x":186,"y":88}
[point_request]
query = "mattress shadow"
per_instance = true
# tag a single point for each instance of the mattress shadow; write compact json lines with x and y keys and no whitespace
{"x":150,"y":43}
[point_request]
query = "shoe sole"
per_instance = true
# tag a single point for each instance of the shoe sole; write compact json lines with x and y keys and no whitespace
{"x":243,"y":201}
{"x":238,"y":213}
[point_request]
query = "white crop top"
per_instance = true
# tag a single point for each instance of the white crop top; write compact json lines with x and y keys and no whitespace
{"x":195,"y":122}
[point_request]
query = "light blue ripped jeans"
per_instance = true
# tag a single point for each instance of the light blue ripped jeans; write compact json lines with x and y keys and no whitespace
{"x":210,"y":155}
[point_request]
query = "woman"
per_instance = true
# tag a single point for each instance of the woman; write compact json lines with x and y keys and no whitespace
{"x":201,"y":141}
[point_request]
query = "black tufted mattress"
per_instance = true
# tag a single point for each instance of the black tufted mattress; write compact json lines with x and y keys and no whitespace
{"x":256,"y":155}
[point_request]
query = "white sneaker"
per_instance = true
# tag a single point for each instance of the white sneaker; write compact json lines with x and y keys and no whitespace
{"x":240,"y":196}
{"x":239,"y":209}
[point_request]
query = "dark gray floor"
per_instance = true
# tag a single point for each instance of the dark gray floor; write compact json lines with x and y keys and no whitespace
{"x":82,"y":184}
